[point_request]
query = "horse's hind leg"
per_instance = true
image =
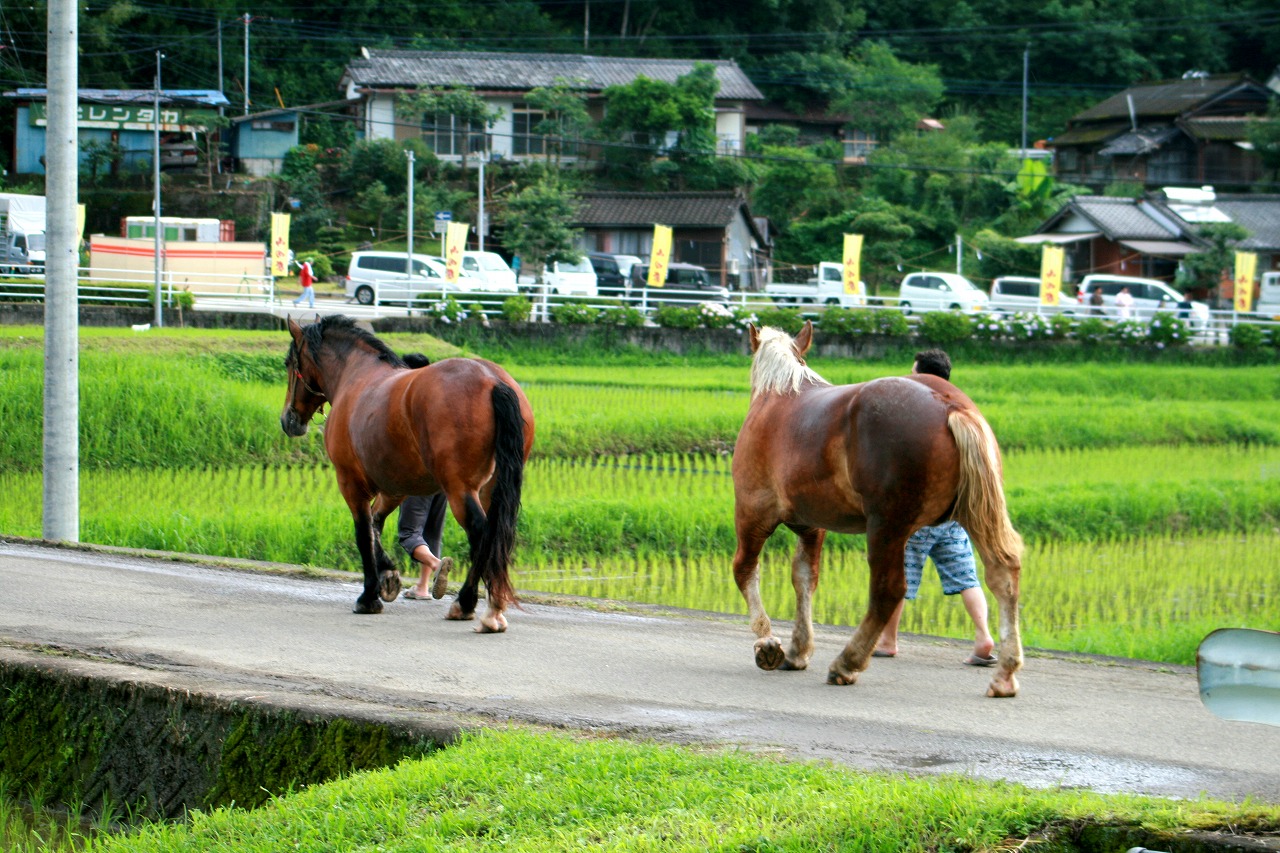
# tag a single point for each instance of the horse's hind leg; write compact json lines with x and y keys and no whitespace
{"x":746,"y":573}
{"x":804,"y":578}
{"x":886,"y":553}
{"x":388,"y":573}
{"x":1003,"y":579}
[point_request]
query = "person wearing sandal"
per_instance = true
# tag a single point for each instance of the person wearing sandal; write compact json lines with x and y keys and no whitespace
{"x":952,"y":552}
{"x":421,"y":529}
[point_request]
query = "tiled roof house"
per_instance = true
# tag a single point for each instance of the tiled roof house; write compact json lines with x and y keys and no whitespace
{"x":1187,"y":131}
{"x":379,"y":77}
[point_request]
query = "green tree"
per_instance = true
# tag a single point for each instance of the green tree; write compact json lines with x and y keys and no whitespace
{"x":566,"y":121}
{"x":794,"y":183}
{"x":1264,"y":135}
{"x":648,"y":116}
{"x":1204,"y":270}
{"x":373,"y":203}
{"x":887,"y":96}
{"x":538,"y":224}
{"x":468,"y":110}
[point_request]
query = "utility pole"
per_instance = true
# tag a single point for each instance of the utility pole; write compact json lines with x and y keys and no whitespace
{"x":1026,"y":63}
{"x":959,"y":255}
{"x":409,"y":230}
{"x":155,"y":201}
{"x":61,"y":463}
{"x":480,"y":225}
{"x":221,"y":85}
{"x":246,"y":63}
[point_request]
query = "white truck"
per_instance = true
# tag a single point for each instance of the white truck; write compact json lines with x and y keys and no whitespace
{"x":825,"y":287}
{"x":22,"y":222}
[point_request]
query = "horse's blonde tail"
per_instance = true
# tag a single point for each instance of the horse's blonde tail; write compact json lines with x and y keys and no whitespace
{"x":980,"y":504}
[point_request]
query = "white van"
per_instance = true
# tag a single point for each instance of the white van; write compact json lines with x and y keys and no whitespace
{"x":1019,"y":293}
{"x":488,"y":271}
{"x":376,"y":277}
{"x":1150,"y":296}
{"x":940,"y":291}
{"x":1269,"y":296}
{"x":568,"y":278}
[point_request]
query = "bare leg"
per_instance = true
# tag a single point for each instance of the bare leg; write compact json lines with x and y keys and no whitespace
{"x":887,"y":645}
{"x":804,"y":578}
{"x":976,"y":604}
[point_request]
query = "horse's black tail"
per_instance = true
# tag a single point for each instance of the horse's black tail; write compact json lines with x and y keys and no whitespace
{"x":493,"y":535}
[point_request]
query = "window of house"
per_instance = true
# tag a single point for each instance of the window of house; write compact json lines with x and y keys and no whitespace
{"x":524,"y":139}
{"x":858,"y":145}
{"x":447,"y":134}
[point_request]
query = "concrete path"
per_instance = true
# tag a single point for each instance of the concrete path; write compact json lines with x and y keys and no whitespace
{"x":1104,"y":724}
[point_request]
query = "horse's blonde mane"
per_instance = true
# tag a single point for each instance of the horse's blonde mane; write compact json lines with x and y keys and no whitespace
{"x":777,"y":368}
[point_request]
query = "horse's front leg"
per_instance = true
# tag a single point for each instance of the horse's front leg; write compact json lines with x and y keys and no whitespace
{"x":746,"y":573}
{"x":804,"y":579}
{"x":886,"y":553}
{"x":369,"y":601}
{"x":388,"y":572}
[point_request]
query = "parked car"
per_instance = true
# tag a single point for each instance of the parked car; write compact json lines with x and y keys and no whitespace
{"x":1012,"y":293}
{"x":376,"y":277}
{"x":940,"y":291}
{"x":826,"y":287}
{"x":488,"y":271}
{"x":576,"y":278}
{"x":1268,"y":305}
{"x":613,"y":272}
{"x":686,"y":284}
{"x":1149,"y":296}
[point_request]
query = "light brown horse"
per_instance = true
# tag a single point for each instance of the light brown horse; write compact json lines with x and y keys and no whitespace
{"x":884,"y":458}
{"x":462,"y":426}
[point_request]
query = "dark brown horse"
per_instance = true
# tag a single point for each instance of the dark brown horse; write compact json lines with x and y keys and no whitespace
{"x":461,"y":426}
{"x":884,"y":458}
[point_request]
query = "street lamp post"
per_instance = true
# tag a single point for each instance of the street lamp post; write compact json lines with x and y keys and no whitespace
{"x":159,"y":243}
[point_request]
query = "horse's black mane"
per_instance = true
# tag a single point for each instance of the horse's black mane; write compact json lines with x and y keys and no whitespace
{"x":342,"y":333}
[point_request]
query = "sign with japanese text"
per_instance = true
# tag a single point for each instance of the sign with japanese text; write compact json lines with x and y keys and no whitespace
{"x":455,"y":243}
{"x":128,"y":117}
{"x":1246,"y":267}
{"x":1052,"y":260}
{"x":853,"y":264}
{"x":279,"y":244}
{"x":660,"y":257}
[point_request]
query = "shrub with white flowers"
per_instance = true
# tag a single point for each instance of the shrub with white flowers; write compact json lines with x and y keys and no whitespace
{"x":1028,"y":327}
{"x":989,"y":327}
{"x":713,"y":315}
{"x":447,"y":310}
{"x":1167,"y":330}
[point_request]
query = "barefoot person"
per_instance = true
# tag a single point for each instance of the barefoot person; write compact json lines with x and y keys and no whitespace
{"x":421,"y":528}
{"x":948,"y":544}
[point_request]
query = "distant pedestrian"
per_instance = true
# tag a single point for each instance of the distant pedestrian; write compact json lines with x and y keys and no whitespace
{"x":1095,"y":302}
{"x":306,"y":277}
{"x":1124,"y":304}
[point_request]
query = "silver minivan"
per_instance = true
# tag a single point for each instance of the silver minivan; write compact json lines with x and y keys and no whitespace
{"x":376,"y":277}
{"x":1150,"y":296}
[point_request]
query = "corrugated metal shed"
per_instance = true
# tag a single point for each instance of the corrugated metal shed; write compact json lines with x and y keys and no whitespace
{"x":1144,"y":140}
{"x":506,"y":72}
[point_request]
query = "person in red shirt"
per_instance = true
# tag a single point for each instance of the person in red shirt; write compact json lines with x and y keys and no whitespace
{"x":306,"y":277}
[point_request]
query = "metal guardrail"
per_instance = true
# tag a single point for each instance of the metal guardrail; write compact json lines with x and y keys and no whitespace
{"x":104,"y":285}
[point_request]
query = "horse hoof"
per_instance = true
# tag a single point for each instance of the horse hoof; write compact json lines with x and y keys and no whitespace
{"x":362,"y":606}
{"x":495,"y":624}
{"x":455,"y":614}
{"x":840,"y":679}
{"x":1002,"y":688}
{"x":769,"y":654}
{"x":794,"y":666}
{"x":389,"y":586}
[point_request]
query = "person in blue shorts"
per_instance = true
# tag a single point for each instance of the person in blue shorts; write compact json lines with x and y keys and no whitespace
{"x":952,"y":553}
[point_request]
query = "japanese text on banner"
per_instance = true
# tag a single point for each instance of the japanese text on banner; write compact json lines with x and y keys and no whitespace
{"x":1052,"y":260}
{"x":279,"y":244}
{"x":853,"y":264}
{"x":455,"y":243}
{"x":1246,"y":266}
{"x":660,"y":257}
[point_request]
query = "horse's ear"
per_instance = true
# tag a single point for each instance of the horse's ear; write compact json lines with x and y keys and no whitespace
{"x":754,"y":334}
{"x":295,"y":331}
{"x":804,"y":339}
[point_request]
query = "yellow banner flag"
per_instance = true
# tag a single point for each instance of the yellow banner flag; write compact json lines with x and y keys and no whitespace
{"x":853,"y":264}
{"x":80,"y":214}
{"x":279,"y":244}
{"x":1052,"y":260}
{"x":455,"y":243}
{"x":1246,"y":266}
{"x":660,"y":257}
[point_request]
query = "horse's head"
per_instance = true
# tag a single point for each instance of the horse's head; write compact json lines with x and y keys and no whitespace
{"x":778,"y":363}
{"x":306,"y":393}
